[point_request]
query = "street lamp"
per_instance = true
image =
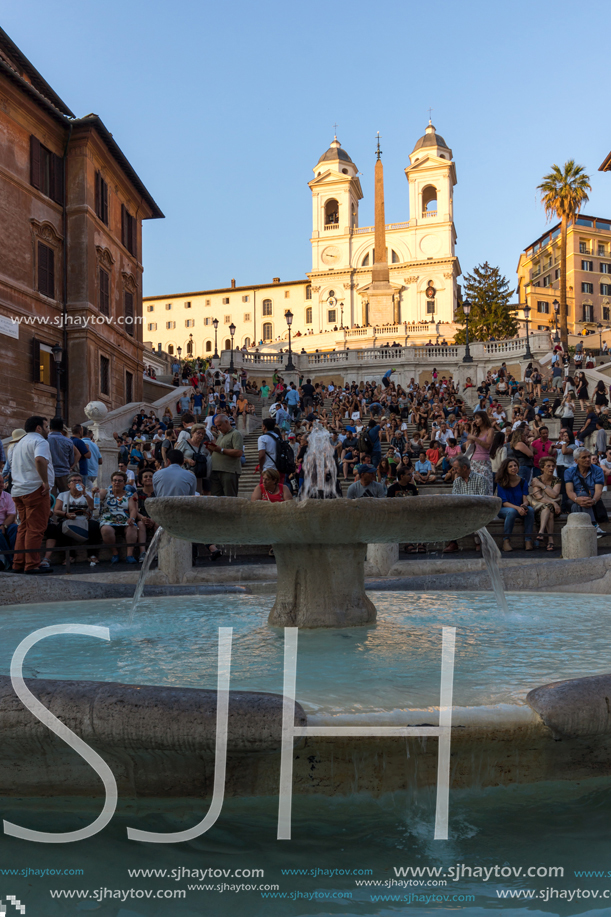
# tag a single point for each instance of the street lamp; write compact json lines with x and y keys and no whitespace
{"x":466,"y":307}
{"x":556,"y":306}
{"x":341,"y":305}
{"x":179,"y":352}
{"x":215,"y":322}
{"x":526,"y":310}
{"x":290,"y":366}
{"x":231,"y":332}
{"x":599,"y":328}
{"x":58,"y":354}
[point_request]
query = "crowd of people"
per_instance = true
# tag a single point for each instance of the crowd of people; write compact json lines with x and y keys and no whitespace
{"x":387,"y":440}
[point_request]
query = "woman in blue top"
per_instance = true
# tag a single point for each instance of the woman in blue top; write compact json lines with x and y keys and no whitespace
{"x":513,"y":491}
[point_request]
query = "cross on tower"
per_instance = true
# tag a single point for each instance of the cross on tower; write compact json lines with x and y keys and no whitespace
{"x":430,"y":110}
{"x":378,"y":150}
{"x":335,"y":129}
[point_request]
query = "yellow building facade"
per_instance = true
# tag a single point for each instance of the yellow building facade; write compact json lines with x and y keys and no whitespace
{"x":422,"y":265}
{"x":588,"y":265}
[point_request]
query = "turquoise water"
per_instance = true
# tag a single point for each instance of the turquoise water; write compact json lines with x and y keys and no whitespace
{"x":392,"y":665}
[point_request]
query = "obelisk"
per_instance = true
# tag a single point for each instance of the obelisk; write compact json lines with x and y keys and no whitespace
{"x":380,"y":291}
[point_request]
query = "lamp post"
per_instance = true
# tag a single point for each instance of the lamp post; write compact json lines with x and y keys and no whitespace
{"x":215,"y":322}
{"x":290,"y":366}
{"x":599,"y":328}
{"x":231,"y":332}
{"x":58,"y":354}
{"x":526,"y":310}
{"x":341,"y":305}
{"x":179,"y":352}
{"x":466,"y":307}
{"x":556,"y":306}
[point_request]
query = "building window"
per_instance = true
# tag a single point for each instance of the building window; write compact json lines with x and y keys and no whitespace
{"x":308,"y":292}
{"x":104,"y":298}
{"x":246,"y":299}
{"x":365,"y":261}
{"x":429,"y":199}
{"x":168,"y":306}
{"x":287,"y":294}
{"x":190,"y":348}
{"x":308,"y":315}
{"x":208,"y":347}
{"x":587,"y":287}
{"x":587,"y":265}
{"x":228,"y":319}
{"x":394,"y":257}
{"x":150,"y":308}
{"x":547,"y":280}
{"x":129,"y":388}
{"x":187,"y":305}
{"x":247,"y":316}
{"x":267,"y":307}
{"x":227,"y":344}
{"x":267,"y":331}
{"x":207,"y":321}
{"x":170,"y":325}
{"x":190,"y":323}
{"x":430,"y":306}
{"x":331,"y":212}
{"x":46,"y":270}
{"x":605,"y":289}
{"x":128,"y":311}
{"x":246,"y":342}
{"x":152,"y":326}
{"x":331,"y":316}
{"x":557,"y":274}
{"x":542,"y":306}
{"x":584,"y":248}
{"x":46,"y":171}
{"x":605,"y":268}
{"x":171,"y":349}
{"x":225,"y":300}
{"x":207,"y":302}
{"x":43,"y":364}
{"x":101,"y":198}
{"x":605,"y":313}
{"x":128,"y":230}
{"x":104,"y":376}
{"x":588,"y":313}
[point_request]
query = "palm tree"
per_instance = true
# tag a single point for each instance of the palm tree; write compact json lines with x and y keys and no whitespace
{"x":563,"y":194}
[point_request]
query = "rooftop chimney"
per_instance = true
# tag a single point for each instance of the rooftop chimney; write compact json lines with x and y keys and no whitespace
{"x":233,"y":283}
{"x":276,"y":279}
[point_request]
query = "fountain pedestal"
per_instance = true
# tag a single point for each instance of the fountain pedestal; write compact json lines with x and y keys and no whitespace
{"x":321,"y":586}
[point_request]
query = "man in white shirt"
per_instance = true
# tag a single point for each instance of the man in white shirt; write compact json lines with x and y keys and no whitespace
{"x":33,"y":478}
{"x":267,"y":444}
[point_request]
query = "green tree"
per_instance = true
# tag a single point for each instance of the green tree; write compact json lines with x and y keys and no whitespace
{"x":563,"y":194}
{"x":491,"y":315}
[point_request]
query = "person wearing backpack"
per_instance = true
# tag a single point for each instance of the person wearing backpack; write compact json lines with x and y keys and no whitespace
{"x":274,"y":452}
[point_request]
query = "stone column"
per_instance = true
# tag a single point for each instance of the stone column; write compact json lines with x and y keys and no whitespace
{"x":175,"y":558}
{"x":579,"y":537}
{"x":321,"y":586}
{"x":382,"y":557}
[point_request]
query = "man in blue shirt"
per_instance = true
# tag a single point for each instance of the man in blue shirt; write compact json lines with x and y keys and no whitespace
{"x":584,"y":485}
{"x":373,"y":430}
{"x":94,"y":461}
{"x":77,"y":439}
{"x":292,"y":399}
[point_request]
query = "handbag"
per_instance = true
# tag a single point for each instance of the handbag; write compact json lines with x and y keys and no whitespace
{"x":77,"y":529}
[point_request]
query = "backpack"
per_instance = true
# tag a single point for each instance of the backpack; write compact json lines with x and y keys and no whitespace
{"x":365,"y":442}
{"x":158,"y":453}
{"x":285,"y":457}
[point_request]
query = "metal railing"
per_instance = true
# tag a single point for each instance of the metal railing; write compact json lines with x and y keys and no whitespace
{"x":86,"y":546}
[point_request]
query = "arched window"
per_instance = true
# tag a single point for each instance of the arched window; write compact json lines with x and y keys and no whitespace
{"x":228,"y":344}
{"x":331,"y":212}
{"x":190,"y":348}
{"x":429,"y":199}
{"x":208,"y":347}
{"x":365,"y":260}
{"x":309,"y":315}
{"x":267,"y":307}
{"x":267,"y":331}
{"x":395,"y":257}
{"x":308,"y":292}
{"x":171,"y":349}
{"x":246,"y":342}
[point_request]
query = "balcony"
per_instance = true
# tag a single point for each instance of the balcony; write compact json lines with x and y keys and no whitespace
{"x":331,"y":226}
{"x":428,"y":214}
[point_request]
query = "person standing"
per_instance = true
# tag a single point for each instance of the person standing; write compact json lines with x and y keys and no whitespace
{"x":227,"y":453}
{"x":307,"y":390}
{"x":33,"y":478}
{"x":8,"y":526}
{"x":95,"y":458}
{"x":77,"y":439}
{"x":64,"y":454}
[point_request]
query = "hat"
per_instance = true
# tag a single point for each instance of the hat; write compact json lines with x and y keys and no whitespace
{"x":16,"y":435}
{"x":365,"y":469}
{"x":291,"y":436}
{"x":545,"y":400}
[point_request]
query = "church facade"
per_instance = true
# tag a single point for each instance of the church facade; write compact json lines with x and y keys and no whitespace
{"x":415,"y":259}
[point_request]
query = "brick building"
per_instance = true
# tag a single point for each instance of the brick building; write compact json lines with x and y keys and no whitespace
{"x":70,"y":254}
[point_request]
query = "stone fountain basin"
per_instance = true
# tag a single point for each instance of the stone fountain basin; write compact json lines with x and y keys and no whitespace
{"x":234,"y":520}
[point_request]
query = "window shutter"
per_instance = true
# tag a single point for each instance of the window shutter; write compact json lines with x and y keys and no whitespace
{"x":35,"y":162}
{"x":104,"y":292}
{"x":35,"y":360}
{"x":104,"y":190}
{"x":42,"y":268}
{"x":129,"y":312}
{"x":123,"y":225}
{"x":51,"y":273}
{"x":98,"y":202}
{"x":57,"y":179}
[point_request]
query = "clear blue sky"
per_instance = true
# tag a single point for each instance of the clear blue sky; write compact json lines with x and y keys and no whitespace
{"x":224,"y":109}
